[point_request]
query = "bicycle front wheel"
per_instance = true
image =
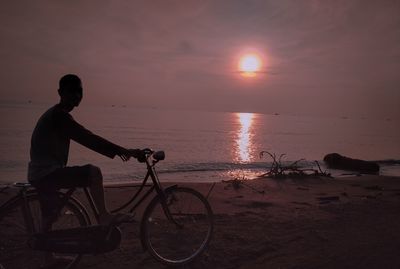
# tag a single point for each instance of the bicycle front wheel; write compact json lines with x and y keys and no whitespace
{"x":15,"y":234}
{"x":179,"y":231}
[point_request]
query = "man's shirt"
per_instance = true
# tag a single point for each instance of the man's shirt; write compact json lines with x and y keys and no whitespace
{"x":51,"y":138}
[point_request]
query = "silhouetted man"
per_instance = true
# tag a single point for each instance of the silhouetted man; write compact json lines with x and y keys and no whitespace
{"x":50,"y":147}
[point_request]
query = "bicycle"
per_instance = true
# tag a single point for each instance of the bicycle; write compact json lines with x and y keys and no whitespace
{"x":176,"y":226}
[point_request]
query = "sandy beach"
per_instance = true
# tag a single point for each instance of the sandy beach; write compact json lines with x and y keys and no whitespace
{"x":293,"y":223}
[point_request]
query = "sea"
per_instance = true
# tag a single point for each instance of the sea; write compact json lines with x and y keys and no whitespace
{"x":205,"y":146}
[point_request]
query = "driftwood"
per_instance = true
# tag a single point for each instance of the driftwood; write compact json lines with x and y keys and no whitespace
{"x":278,"y":170}
{"x":337,"y":161}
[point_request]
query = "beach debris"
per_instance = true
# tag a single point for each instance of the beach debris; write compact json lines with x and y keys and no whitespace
{"x":337,"y":161}
{"x":258,"y":204}
{"x":371,"y":196}
{"x":328,"y":199}
{"x":374,"y":188}
{"x":211,"y":188}
{"x":238,"y":183}
{"x":303,"y":189}
{"x":278,"y":170}
{"x":301,"y":203}
{"x":253,"y":204}
{"x":235,"y":183}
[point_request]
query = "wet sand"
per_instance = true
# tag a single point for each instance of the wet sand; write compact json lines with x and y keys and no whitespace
{"x":292,"y":223}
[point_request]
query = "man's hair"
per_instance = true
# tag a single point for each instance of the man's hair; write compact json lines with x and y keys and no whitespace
{"x":70,"y":82}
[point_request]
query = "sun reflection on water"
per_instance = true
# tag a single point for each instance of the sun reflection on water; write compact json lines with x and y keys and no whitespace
{"x":244,"y":143}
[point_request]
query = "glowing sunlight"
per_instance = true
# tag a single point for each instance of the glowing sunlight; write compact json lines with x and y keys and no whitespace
{"x":249,"y":65}
{"x":244,"y":144}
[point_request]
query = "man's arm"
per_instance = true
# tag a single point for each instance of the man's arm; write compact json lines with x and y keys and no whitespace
{"x":81,"y":135}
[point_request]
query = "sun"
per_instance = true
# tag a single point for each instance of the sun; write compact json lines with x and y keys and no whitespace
{"x":249,"y":65}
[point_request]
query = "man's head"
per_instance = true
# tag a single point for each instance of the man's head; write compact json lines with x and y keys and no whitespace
{"x":70,"y":91}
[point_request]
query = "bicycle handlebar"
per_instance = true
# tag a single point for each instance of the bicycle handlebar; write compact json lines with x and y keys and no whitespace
{"x":143,"y":154}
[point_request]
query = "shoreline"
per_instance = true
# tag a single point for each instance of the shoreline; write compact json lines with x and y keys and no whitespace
{"x":207,"y":176}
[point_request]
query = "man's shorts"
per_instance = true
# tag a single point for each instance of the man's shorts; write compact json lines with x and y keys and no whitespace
{"x":65,"y":178}
{"x":61,"y":178}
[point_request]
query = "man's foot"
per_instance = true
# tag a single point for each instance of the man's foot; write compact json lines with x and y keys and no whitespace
{"x":115,"y":219}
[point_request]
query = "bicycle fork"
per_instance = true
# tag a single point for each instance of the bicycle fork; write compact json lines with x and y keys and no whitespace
{"x":162,"y":194}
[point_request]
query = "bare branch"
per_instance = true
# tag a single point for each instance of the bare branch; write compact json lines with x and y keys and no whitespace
{"x":277,"y":170}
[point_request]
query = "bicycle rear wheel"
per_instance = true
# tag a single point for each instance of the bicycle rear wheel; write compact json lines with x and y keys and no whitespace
{"x":185,"y":236}
{"x":15,"y":234}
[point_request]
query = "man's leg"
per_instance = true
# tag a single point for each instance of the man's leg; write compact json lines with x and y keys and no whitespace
{"x":97,"y":190}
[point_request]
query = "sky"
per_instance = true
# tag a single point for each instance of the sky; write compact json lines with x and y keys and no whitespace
{"x":319,"y":57}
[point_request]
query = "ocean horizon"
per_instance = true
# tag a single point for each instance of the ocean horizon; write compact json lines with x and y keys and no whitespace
{"x":205,"y":146}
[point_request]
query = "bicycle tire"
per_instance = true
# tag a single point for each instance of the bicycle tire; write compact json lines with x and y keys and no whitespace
{"x":166,"y":241}
{"x":14,"y":248}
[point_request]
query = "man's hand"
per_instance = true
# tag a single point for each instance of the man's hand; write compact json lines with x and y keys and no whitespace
{"x":125,"y":154}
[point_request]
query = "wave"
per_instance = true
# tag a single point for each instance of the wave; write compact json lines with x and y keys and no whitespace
{"x":252,"y":166}
{"x":388,"y":162}
{"x":227,"y":166}
{"x":212,"y":171}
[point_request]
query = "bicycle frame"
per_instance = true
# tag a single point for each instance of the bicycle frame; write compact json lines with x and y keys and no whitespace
{"x":156,"y":185}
